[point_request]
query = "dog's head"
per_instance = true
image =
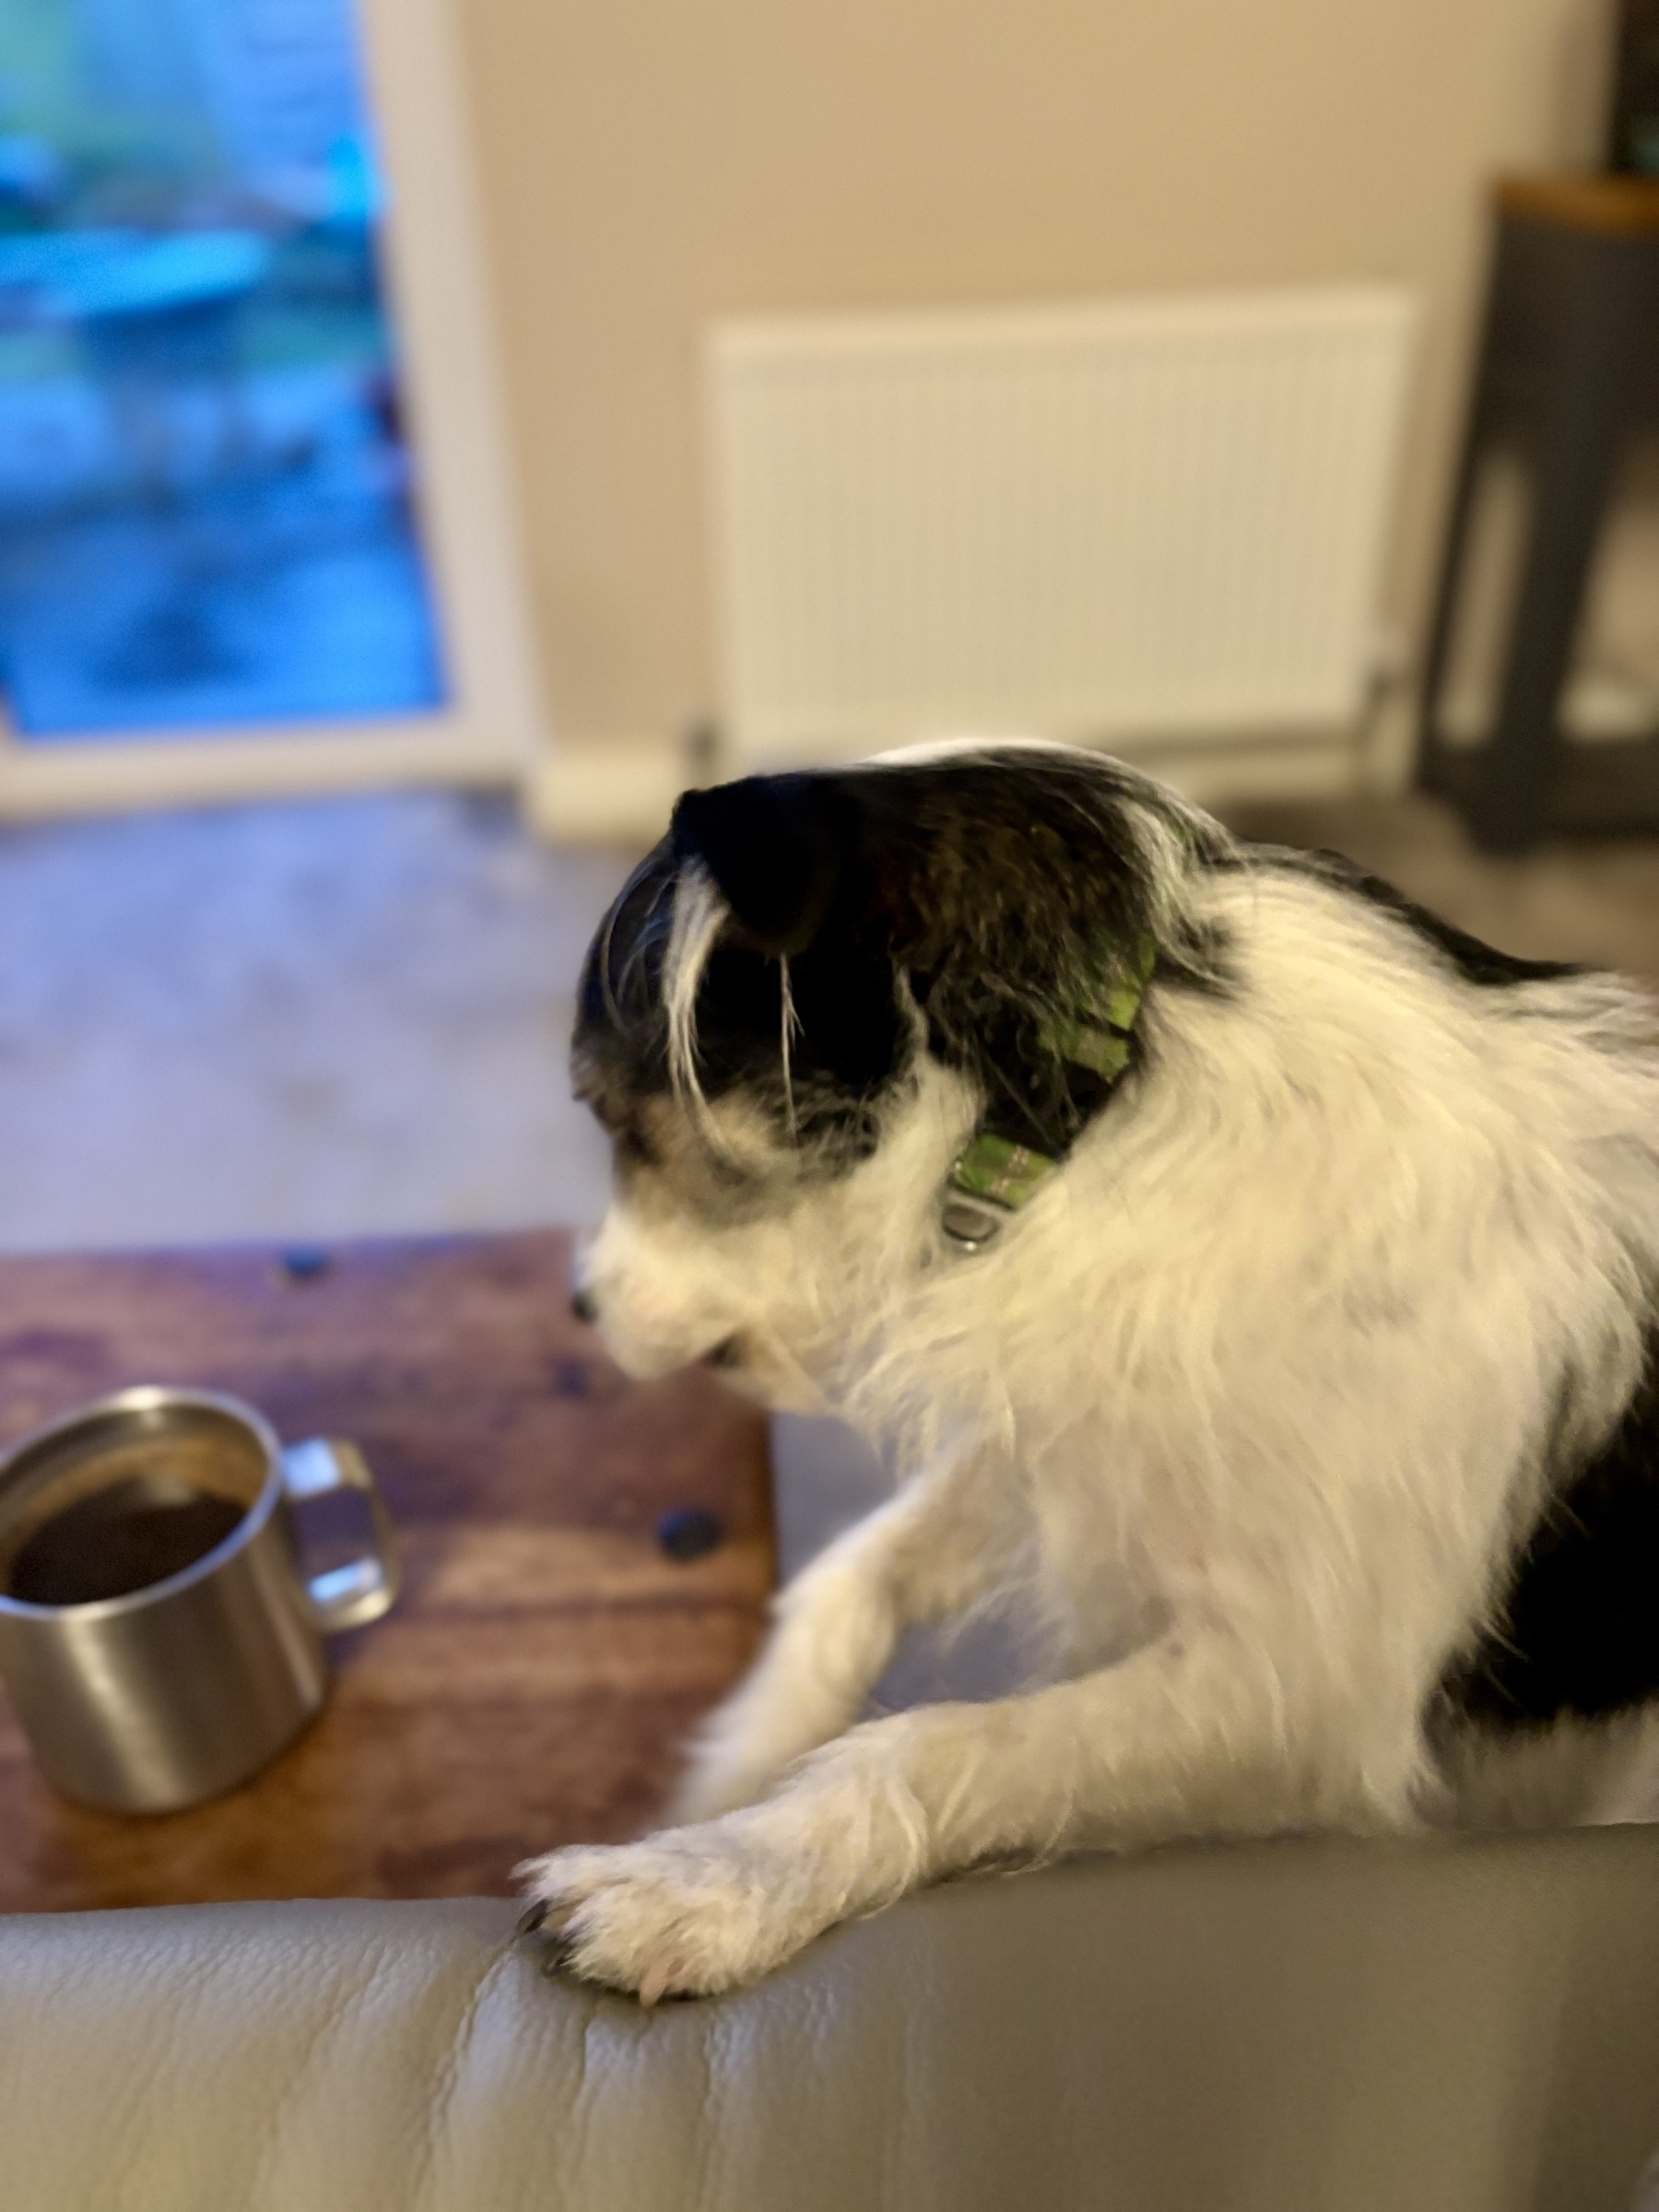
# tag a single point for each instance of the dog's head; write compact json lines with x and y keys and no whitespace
{"x":807,"y":995}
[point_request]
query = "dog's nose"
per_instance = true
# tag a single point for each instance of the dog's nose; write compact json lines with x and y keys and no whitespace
{"x":584,"y":1305}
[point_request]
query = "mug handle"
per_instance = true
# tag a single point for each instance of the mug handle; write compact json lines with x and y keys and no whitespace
{"x":345,"y":1597}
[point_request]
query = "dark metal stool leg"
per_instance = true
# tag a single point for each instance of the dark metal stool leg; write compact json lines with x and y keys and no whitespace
{"x":1477,"y":443}
{"x":1582,"y":431}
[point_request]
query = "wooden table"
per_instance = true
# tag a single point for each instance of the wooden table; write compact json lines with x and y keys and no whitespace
{"x":546,"y":1657}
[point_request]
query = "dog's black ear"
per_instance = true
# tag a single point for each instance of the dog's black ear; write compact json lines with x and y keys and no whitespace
{"x":779,"y":849}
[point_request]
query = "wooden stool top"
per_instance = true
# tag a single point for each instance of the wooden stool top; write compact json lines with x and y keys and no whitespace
{"x":1616,"y":207}
{"x":533,"y":1683}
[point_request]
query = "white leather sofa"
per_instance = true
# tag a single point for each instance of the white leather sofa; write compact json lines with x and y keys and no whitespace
{"x":1444,"y":2026}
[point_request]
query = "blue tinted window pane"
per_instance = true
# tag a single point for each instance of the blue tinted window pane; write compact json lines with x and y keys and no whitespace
{"x":207,"y":510}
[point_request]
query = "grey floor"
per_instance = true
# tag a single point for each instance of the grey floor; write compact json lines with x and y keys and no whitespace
{"x":325,"y":1018}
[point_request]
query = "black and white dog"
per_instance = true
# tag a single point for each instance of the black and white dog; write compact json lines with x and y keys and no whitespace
{"x":1250,"y":1277}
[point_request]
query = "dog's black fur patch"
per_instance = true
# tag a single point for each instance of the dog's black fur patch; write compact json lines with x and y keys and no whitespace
{"x":999,"y":890}
{"x":1578,"y":1631}
{"x":849,"y":1042}
{"x":994,"y":890}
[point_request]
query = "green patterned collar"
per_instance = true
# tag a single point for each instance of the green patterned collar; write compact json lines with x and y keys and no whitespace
{"x":992,"y":1176}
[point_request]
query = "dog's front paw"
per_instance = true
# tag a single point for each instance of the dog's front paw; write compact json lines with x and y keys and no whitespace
{"x":687,"y":1913}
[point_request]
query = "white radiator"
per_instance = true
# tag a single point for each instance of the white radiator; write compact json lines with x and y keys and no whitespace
{"x":1152,"y":519}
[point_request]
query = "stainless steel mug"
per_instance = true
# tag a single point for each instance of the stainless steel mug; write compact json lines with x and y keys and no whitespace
{"x":183,"y":1685}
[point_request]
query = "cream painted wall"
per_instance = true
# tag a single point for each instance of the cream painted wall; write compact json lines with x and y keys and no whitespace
{"x":651,"y":163}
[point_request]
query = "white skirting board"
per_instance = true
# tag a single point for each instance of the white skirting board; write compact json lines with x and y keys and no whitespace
{"x":606,"y":791}
{"x":619,"y":791}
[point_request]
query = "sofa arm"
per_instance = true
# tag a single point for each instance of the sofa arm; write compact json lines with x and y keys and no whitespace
{"x":1432,"y":2026}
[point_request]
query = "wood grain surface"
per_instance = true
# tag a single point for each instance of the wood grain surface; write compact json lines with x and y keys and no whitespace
{"x":546,"y":1658}
{"x":1620,"y":206}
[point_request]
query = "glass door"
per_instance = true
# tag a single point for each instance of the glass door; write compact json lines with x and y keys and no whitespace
{"x":216,"y":527}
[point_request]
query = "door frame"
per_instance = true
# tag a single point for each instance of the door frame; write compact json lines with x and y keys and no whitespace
{"x":492,"y":728}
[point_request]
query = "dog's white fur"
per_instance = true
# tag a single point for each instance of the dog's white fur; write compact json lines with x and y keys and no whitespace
{"x":1259,"y":1389}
